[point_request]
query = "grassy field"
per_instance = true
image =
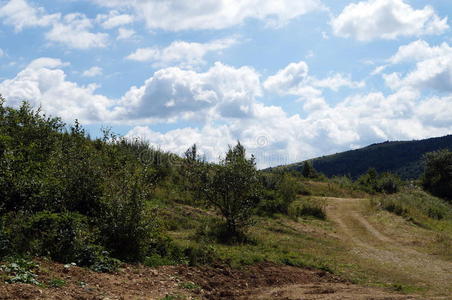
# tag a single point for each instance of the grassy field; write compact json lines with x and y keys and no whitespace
{"x":323,"y":244}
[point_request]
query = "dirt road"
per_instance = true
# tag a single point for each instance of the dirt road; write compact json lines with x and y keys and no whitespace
{"x":374,"y":245}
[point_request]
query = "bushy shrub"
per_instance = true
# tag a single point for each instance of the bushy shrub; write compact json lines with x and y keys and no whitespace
{"x":97,"y":259}
{"x":307,"y":207}
{"x":372,"y":182}
{"x":437,"y":178}
{"x":56,"y":235}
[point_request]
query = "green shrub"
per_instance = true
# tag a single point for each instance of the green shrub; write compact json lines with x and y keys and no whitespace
{"x":437,"y":178}
{"x":97,"y":259}
{"x":307,"y":207}
{"x":57,"y":235}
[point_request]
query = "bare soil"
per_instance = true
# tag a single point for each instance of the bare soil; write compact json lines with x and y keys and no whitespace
{"x":261,"y":281}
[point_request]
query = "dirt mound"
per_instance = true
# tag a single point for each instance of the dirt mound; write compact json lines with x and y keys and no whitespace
{"x":221,"y":282}
{"x":261,"y":281}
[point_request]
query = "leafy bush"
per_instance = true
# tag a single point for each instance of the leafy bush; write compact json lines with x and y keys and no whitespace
{"x":307,"y":207}
{"x":57,"y":235}
{"x":97,"y":259}
{"x":437,"y":177}
{"x":372,"y":182}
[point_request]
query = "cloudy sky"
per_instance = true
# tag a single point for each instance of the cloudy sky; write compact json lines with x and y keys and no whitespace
{"x":290,"y":79}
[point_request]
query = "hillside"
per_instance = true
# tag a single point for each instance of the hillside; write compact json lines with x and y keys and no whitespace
{"x":401,"y":157}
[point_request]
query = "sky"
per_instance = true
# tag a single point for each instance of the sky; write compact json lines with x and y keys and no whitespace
{"x":291,"y":80}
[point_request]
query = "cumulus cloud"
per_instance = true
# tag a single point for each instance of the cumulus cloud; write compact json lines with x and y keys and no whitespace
{"x":433,"y":67}
{"x":178,"y":15}
{"x":124,"y":33}
{"x":92,"y":72}
{"x":43,"y":83}
{"x":386,"y":19}
{"x":180,"y":53}
{"x":294,"y":79}
{"x":72,"y":30}
{"x":114,"y":19}
{"x":177,"y":93}
{"x":19,"y":14}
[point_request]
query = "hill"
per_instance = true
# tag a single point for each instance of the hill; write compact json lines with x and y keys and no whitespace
{"x":400,"y":157}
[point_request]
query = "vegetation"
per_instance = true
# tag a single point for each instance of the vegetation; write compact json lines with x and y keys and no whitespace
{"x":417,"y":206}
{"x":234,"y":189}
{"x":402,"y":158}
{"x":437,"y":178}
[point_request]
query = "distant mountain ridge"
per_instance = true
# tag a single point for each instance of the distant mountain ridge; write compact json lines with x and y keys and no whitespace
{"x":400,"y":157}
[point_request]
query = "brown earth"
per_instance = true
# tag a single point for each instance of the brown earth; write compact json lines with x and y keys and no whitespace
{"x":261,"y":281}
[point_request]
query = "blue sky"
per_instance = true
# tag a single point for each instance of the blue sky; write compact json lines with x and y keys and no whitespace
{"x":290,"y":79}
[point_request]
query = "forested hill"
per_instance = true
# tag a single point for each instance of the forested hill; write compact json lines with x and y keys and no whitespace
{"x":403,"y":158}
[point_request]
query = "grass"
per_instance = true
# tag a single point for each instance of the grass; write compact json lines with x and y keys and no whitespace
{"x":310,"y":242}
{"x":332,"y":188}
{"x":418,"y":207}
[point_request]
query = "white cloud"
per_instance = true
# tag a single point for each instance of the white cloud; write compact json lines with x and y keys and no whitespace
{"x":386,"y":19}
{"x":92,"y":72}
{"x":46,"y":62}
{"x":181,"y":53}
{"x":433,"y":67}
{"x":19,"y":14}
{"x":114,"y":19}
{"x":73,"y":31}
{"x":124,"y":33}
{"x":294,"y":79}
{"x":2,"y":53}
{"x":175,"y":93}
{"x":419,"y":50}
{"x":178,"y":15}
{"x":43,"y":84}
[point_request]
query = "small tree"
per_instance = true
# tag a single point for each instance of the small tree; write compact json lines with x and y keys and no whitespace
{"x":235,"y":190}
{"x":437,"y":177}
{"x":308,"y":170}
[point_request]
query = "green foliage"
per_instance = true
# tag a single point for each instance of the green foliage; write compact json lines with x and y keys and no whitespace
{"x":280,"y":190}
{"x":372,"y":182}
{"x":437,"y":177}
{"x":307,"y":207}
{"x":20,"y":270}
{"x":56,"y":283}
{"x":97,"y":259}
{"x":234,"y":190}
{"x":415,"y":205}
{"x":308,"y":170}
{"x":61,"y":191}
{"x":57,"y":235}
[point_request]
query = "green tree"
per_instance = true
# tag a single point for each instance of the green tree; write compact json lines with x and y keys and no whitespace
{"x":308,"y":170}
{"x":437,"y":177}
{"x":235,"y":190}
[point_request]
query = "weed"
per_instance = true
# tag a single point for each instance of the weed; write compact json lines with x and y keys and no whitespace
{"x":21,"y":270}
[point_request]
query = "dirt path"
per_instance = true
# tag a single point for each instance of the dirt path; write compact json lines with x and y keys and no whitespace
{"x":371,"y":244}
